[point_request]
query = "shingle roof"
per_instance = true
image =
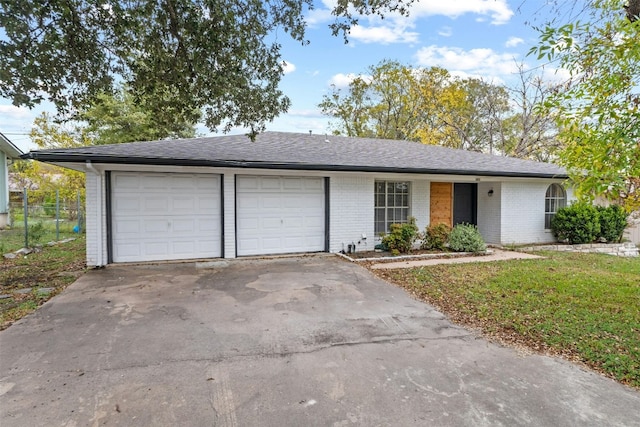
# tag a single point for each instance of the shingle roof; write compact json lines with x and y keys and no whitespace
{"x":281,"y":150}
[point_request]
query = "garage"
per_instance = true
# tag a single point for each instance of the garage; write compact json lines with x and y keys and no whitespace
{"x":165,"y":216}
{"x":280,"y":214}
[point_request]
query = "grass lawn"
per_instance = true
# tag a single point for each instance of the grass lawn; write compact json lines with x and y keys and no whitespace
{"x":584,"y":307}
{"x":22,"y":279}
{"x":13,"y":239}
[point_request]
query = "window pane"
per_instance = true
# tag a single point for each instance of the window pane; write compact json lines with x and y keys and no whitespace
{"x":404,"y":215}
{"x":555,"y":199}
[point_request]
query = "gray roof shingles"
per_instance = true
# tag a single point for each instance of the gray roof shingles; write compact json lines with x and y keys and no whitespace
{"x":282,"y":150}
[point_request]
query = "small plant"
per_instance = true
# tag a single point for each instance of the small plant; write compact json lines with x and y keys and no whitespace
{"x":613,"y":221}
{"x":466,"y":238}
{"x":436,"y":236}
{"x":402,"y":237}
{"x":578,"y":223}
{"x":36,"y":232}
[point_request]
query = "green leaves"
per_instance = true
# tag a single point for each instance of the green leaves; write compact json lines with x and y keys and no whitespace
{"x":178,"y":57}
{"x":598,"y":119}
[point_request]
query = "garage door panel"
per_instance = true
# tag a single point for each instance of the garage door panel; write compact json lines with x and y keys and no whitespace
{"x":279,"y":215}
{"x":208,"y":226}
{"x":183,"y":225}
{"x":156,"y":205}
{"x":122,"y":227}
{"x":124,"y":182}
{"x":154,"y":226}
{"x":271,"y":224}
{"x":162,"y":216}
{"x":313,"y":184}
{"x":207,"y":204}
{"x":158,"y":249}
{"x":292,"y":184}
{"x":270,"y":183}
{"x":271,"y":201}
{"x":126,"y":203}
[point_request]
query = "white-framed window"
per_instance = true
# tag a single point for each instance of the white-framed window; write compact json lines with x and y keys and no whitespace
{"x":555,"y":199}
{"x":391,"y":204}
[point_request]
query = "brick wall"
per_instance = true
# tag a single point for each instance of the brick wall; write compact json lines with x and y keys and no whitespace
{"x":522,"y":212}
{"x":229,"y":226}
{"x":489,"y":211}
{"x":351,"y":211}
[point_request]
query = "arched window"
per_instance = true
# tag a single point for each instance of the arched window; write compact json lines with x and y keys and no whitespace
{"x":555,"y":199}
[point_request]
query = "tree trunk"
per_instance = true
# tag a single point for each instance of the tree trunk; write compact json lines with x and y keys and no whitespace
{"x":633,"y":10}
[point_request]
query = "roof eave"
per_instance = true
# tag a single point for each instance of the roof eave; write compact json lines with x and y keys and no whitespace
{"x":10,"y":148}
{"x":66,"y":157}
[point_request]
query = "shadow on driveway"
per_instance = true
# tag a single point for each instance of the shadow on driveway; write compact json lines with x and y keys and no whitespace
{"x":299,"y":341}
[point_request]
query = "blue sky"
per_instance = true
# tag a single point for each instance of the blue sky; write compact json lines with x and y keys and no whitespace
{"x":478,"y":38}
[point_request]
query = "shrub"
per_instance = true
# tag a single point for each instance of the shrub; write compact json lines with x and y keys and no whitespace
{"x":402,"y":237}
{"x":577,"y":223}
{"x":36,"y":232}
{"x":613,"y":221}
{"x":436,"y":236}
{"x":466,"y":238}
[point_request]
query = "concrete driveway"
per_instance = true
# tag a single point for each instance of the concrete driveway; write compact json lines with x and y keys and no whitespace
{"x":308,"y":341}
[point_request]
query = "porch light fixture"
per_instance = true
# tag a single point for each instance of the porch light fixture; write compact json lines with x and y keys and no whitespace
{"x":490,"y":193}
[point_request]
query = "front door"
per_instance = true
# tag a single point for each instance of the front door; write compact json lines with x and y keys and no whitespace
{"x":465,"y":197}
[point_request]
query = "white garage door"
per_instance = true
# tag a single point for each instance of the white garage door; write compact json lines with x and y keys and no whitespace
{"x":165,"y":216}
{"x":277,"y":215}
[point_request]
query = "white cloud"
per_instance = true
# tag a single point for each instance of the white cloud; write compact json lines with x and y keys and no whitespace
{"x":288,"y":67}
{"x":395,"y":28}
{"x":445,"y":32}
{"x":383,"y":34}
{"x":341,"y":80}
{"x":497,"y":10}
{"x":13,"y":112}
{"x":475,"y":62}
{"x":514,"y":41}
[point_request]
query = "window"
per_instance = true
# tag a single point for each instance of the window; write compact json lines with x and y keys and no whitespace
{"x":391,"y":205}
{"x":555,"y":199}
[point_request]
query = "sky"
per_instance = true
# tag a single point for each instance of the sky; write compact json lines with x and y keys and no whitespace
{"x":470,"y":38}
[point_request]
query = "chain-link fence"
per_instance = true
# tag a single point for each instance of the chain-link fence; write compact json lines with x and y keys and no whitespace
{"x":37,"y":222}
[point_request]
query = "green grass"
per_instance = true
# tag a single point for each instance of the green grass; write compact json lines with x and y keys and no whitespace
{"x":585,"y":307}
{"x":54,"y":267}
{"x":13,"y":239}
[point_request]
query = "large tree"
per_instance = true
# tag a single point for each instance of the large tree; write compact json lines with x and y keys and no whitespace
{"x":180,"y":57}
{"x":431,"y":106}
{"x":598,"y":109}
{"x":116,"y":118}
{"x":395,"y":101}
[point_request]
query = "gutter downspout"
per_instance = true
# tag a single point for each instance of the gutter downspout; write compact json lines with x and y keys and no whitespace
{"x":99,"y":252}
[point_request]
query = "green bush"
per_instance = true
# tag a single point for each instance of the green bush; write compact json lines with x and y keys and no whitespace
{"x":466,"y":238}
{"x":49,"y":205}
{"x":613,"y":221}
{"x":402,"y":237}
{"x":436,"y":236}
{"x":36,"y":232}
{"x":577,"y":223}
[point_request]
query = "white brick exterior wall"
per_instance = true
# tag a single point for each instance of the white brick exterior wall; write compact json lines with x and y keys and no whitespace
{"x":522,"y":212}
{"x":420,"y":200}
{"x":229,"y":215}
{"x":489,"y":211}
{"x":96,"y":220}
{"x":91,"y":220}
{"x":513,"y":214}
{"x":351,"y":211}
